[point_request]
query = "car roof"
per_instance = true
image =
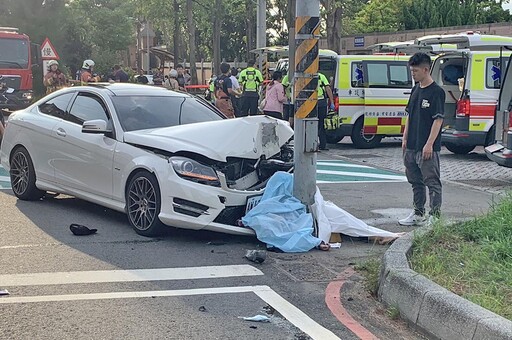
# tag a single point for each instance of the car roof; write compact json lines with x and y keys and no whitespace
{"x":128,"y":89}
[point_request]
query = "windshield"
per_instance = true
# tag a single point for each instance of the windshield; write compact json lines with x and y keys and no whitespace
{"x":149,"y":112}
{"x":13,"y":53}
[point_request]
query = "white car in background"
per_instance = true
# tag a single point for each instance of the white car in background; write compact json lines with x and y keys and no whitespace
{"x":164,"y":158}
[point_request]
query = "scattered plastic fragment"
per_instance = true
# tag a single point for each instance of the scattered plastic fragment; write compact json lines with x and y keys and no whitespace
{"x":4,"y":292}
{"x":202,"y":309}
{"x":336,"y":245}
{"x":256,"y":318}
{"x":257,"y":256}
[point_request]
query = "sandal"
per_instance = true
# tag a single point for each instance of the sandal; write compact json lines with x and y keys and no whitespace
{"x":324,"y":246}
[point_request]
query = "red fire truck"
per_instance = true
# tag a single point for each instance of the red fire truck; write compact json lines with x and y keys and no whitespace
{"x":18,"y":56}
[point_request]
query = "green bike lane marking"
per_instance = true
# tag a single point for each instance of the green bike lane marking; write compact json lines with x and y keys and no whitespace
{"x":328,"y":171}
{"x":336,"y":171}
{"x":5,"y":180}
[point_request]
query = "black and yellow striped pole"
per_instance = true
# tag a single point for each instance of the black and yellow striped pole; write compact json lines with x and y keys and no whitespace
{"x":307,"y":32}
{"x":264,"y":66}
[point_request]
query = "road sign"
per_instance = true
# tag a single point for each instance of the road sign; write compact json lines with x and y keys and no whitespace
{"x":49,"y":52}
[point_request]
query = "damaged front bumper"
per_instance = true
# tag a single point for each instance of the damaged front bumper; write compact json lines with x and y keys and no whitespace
{"x":219,"y":205}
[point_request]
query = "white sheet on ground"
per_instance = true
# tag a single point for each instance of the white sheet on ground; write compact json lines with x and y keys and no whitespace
{"x":333,"y":219}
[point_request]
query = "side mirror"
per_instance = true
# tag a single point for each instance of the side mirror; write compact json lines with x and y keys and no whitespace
{"x":95,"y":126}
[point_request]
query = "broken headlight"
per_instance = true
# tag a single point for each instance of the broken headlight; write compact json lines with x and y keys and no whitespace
{"x":194,"y":171}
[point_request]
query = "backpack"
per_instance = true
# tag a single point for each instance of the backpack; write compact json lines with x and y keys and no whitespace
{"x":220,"y":90}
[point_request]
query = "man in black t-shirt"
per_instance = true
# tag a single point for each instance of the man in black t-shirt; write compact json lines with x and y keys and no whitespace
{"x":223,"y":91}
{"x":422,"y":141}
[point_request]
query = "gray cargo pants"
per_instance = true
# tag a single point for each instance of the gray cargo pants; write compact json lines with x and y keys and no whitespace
{"x":421,"y":174}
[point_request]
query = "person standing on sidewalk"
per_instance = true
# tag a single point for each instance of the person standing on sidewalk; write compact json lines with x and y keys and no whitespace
{"x":250,"y":79}
{"x":421,"y":142}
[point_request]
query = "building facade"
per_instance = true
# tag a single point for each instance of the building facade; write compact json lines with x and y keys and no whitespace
{"x":358,"y":43}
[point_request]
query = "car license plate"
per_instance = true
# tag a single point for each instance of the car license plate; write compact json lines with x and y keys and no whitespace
{"x":252,"y":202}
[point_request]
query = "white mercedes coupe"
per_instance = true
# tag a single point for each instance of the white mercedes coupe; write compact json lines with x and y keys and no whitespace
{"x":163,"y":158}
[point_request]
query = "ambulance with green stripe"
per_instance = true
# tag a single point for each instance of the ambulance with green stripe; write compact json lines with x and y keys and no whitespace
{"x":471,"y":78}
{"x":371,"y":92}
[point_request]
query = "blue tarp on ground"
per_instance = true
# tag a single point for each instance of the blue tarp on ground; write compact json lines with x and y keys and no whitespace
{"x":280,"y":220}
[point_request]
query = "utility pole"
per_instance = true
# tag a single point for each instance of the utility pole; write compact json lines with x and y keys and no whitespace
{"x":261,"y":35}
{"x":307,"y":32}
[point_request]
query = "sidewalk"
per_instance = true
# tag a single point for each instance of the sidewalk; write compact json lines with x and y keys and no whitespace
{"x":381,"y":204}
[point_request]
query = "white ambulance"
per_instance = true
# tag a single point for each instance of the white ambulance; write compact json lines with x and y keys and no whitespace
{"x":471,"y":79}
{"x":501,"y":151}
{"x":371,"y":92}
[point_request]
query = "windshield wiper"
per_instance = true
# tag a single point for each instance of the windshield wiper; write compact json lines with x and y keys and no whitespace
{"x":11,"y":63}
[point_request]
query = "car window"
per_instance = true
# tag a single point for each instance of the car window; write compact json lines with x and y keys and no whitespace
{"x":87,"y":107}
{"x":387,"y":75}
{"x":194,"y":111}
{"x":377,"y":75}
{"x":494,"y":73}
{"x":328,"y":68}
{"x":357,"y":74}
{"x":56,"y":106}
{"x":150,"y":112}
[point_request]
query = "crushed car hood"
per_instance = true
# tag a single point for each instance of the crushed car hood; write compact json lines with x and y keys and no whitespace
{"x":248,"y":137}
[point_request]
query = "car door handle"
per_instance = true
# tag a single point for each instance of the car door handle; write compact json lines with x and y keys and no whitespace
{"x":407,"y":92}
{"x":61,"y":132}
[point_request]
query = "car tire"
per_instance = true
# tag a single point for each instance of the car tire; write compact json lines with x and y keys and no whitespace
{"x":362,"y":141}
{"x":143,"y":203}
{"x":459,"y":149}
{"x":23,"y":176}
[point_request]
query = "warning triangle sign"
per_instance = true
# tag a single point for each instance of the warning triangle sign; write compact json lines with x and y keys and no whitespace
{"x":48,"y":52}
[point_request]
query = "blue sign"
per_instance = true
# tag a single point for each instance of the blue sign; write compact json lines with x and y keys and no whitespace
{"x":496,"y":73}
{"x":359,"y":74}
{"x":359,"y":42}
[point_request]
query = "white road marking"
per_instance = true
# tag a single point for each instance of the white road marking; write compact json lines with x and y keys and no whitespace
{"x":293,"y":314}
{"x":135,"y":275}
{"x":361,"y":174}
{"x":359,"y":182}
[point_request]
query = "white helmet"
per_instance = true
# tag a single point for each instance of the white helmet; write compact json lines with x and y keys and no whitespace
{"x":88,"y":64}
{"x":53,"y":62}
{"x":173,"y":73}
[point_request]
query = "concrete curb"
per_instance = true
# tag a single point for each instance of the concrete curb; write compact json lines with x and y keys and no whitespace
{"x":431,"y":308}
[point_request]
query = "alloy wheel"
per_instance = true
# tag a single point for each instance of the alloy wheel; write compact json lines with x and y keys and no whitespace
{"x":20,"y":173}
{"x":142,"y":204}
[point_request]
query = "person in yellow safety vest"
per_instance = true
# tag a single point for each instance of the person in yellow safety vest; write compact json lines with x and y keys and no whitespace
{"x":250,"y":80}
{"x":323,"y":88}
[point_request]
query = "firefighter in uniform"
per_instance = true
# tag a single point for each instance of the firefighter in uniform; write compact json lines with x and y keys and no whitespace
{"x":54,"y":79}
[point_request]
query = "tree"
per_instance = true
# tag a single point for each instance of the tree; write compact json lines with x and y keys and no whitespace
{"x":380,"y":16}
{"x":192,"y":40}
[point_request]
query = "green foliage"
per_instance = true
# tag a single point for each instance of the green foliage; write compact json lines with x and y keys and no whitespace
{"x":394,"y":15}
{"x":472,"y":258}
{"x":370,"y":270}
{"x":380,"y":16}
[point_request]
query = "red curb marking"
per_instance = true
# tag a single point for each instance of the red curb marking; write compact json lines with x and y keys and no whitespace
{"x":333,"y":301}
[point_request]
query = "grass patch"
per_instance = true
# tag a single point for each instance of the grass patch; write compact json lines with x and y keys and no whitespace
{"x":472,"y":259}
{"x":370,"y":270}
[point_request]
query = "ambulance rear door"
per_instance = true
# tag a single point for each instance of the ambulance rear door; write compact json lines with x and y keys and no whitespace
{"x":388,"y":85}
